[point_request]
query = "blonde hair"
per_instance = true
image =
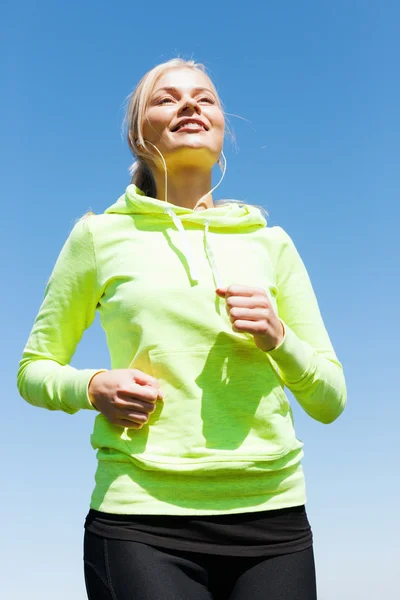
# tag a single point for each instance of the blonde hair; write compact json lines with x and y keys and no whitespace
{"x":135,"y":115}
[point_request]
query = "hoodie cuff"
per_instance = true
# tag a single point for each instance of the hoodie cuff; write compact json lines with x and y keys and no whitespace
{"x":94,"y":373}
{"x":293,"y":357}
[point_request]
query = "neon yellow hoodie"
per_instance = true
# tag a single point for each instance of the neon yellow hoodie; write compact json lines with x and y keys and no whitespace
{"x":223,"y":440}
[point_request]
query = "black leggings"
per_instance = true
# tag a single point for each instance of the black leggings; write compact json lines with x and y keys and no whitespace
{"x":125,"y":570}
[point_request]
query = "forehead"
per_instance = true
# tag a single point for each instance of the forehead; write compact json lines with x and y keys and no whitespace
{"x":183,"y":80}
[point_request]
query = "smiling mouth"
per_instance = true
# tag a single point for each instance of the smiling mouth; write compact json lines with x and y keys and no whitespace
{"x":190,"y":125}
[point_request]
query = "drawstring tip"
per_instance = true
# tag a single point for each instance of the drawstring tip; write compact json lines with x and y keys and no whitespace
{"x":194,"y":275}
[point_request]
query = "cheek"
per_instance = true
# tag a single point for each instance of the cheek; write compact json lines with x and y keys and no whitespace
{"x":153,"y":126}
{"x":219,"y":132}
{"x":219,"y":127}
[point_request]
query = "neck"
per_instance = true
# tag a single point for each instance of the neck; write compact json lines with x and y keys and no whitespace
{"x":185,"y":188}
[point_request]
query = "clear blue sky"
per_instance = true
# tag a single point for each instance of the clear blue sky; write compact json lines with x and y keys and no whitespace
{"x":318,"y":82}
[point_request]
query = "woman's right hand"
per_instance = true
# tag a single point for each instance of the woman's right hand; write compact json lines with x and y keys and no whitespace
{"x":126,"y":397}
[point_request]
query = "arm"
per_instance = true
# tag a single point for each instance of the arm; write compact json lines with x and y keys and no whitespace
{"x":45,"y":377}
{"x":305,"y":358}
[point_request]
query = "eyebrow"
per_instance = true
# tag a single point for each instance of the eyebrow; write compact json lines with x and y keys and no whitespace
{"x":175,"y":90}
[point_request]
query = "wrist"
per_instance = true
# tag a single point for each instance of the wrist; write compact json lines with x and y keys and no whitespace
{"x":267,"y":343}
{"x":281,"y":337}
{"x":90,"y":395}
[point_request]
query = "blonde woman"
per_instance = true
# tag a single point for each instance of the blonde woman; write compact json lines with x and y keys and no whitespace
{"x":209,"y":314}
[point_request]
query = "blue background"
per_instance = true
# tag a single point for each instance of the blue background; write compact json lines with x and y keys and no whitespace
{"x":318,"y":85}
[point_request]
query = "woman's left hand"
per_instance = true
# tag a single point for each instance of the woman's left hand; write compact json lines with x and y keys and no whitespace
{"x":250,"y":311}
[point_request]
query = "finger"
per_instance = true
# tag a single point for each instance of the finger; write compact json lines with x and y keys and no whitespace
{"x":254,"y":327}
{"x":127,"y":424}
{"x":243,"y":290}
{"x":140,"y":407}
{"x":248,"y":314}
{"x":134,"y":417}
{"x":145,"y":393}
{"x":129,"y":401}
{"x":144,"y":379}
{"x":248,"y":302}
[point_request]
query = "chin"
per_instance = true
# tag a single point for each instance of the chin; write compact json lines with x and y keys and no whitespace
{"x":193,"y":142}
{"x":193,"y":153}
{"x":195,"y":148}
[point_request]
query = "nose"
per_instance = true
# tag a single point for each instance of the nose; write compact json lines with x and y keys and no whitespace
{"x":190,"y":104}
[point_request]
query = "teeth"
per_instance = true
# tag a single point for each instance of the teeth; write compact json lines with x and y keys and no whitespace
{"x":191,"y":126}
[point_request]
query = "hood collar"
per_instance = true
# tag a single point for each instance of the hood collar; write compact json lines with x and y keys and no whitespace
{"x":232,"y":215}
{"x":229,"y":214}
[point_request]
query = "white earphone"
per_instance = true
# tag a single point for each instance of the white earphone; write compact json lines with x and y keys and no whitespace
{"x":166,"y":175}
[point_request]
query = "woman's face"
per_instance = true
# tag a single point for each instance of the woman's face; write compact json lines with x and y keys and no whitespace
{"x":184,"y":120}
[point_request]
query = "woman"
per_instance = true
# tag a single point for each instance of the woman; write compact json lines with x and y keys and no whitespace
{"x":209,"y":314}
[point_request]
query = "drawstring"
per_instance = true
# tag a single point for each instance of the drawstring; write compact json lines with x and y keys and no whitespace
{"x":189,"y":257}
{"x":211,"y":257}
{"x":179,"y":226}
{"x":188,"y":251}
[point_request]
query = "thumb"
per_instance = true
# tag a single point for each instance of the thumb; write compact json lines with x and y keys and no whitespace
{"x":144,"y":379}
{"x":221,"y":292}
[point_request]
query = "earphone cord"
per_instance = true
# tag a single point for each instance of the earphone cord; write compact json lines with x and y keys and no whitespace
{"x":165,"y":171}
{"x":166,"y":174}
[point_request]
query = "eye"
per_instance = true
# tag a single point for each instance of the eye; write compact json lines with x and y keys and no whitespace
{"x":206,"y":99}
{"x":165,"y":100}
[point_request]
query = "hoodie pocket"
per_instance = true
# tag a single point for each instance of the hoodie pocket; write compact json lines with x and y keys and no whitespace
{"x":222,"y":407}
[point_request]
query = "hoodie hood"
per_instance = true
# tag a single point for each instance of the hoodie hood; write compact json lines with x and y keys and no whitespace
{"x":231,"y":215}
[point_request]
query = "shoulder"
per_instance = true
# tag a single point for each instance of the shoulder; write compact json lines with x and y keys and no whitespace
{"x":276,"y":233}
{"x":277,"y":237}
{"x":281,"y":248}
{"x":91,"y":224}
